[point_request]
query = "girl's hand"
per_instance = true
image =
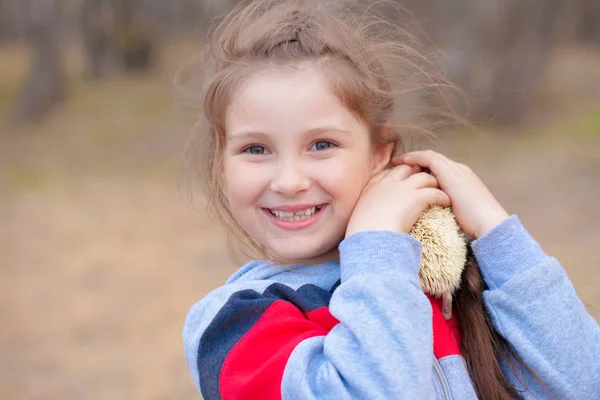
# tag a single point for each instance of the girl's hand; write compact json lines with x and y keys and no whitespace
{"x":475,"y":208}
{"x":394,"y":199}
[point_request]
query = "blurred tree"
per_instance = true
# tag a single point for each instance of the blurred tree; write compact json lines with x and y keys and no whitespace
{"x":161,"y":13}
{"x":97,"y":22}
{"x":46,"y":84}
{"x":13,"y":20}
{"x":213,"y":8}
{"x":193,"y":14}
{"x":495,"y":50}
{"x":118,"y":33}
{"x":588,"y":20}
{"x":523,"y":46}
{"x":133,"y":35}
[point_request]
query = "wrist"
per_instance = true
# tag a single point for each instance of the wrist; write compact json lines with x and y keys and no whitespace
{"x":379,"y":227}
{"x":380,"y":253}
{"x":494,"y":219}
{"x":506,"y":250}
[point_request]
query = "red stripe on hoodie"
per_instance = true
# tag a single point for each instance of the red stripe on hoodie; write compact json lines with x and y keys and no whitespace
{"x":446,"y":335}
{"x":256,"y":363}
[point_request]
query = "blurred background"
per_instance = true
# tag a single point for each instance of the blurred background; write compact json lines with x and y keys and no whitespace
{"x":101,"y":256}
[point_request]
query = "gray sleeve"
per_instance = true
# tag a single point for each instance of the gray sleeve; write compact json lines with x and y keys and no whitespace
{"x":382,"y":347}
{"x":532,"y":304}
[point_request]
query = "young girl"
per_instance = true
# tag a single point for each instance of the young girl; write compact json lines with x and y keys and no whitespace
{"x":306,"y":109}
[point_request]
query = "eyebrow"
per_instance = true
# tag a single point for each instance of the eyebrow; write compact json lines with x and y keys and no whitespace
{"x":245,"y":135}
{"x":326,"y":129}
{"x":312,"y":132}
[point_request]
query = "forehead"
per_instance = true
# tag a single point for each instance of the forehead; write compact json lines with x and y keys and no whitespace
{"x":287,"y":100}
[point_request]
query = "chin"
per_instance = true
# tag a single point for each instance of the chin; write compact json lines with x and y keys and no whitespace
{"x":302,"y":253}
{"x":298,"y":254}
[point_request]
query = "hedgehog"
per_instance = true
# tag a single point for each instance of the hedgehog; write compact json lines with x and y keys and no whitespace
{"x":444,"y":254}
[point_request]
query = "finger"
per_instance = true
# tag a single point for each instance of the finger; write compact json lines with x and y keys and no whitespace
{"x":434,"y":196}
{"x":402,"y":172}
{"x":397,"y":160}
{"x":418,"y":157}
{"x":400,"y":159}
{"x":429,"y":159}
{"x":423,"y":180}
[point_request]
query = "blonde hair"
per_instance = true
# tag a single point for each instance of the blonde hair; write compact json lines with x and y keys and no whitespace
{"x":375,"y":67}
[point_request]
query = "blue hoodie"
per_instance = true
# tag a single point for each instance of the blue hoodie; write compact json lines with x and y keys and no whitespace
{"x":362,"y":328}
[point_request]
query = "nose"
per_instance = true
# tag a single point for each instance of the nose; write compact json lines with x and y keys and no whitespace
{"x":289,"y":178}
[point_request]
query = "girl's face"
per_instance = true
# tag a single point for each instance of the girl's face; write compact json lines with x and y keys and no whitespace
{"x":295,"y":163}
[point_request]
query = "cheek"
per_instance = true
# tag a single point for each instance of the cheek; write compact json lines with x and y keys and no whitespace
{"x":243,"y":184}
{"x":346,"y":179}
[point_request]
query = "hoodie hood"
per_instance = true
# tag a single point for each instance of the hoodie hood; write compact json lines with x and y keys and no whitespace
{"x":323,"y":275}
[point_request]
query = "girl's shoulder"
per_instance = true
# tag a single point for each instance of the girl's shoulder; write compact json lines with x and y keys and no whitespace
{"x":248,"y":293}
{"x":255,"y":278}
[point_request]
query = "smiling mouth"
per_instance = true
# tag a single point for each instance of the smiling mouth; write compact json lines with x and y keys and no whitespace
{"x":296,"y":216}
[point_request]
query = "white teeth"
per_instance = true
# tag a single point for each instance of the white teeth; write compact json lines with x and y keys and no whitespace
{"x":297,"y":216}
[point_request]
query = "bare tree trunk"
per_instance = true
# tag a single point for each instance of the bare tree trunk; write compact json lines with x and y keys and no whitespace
{"x":46,"y":84}
{"x":97,"y":23}
{"x":496,"y":51}
{"x":134,"y":39}
{"x":12,"y":20}
{"x":525,"y":43}
{"x":588,"y":29}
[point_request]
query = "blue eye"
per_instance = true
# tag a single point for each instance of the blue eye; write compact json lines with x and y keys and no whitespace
{"x":257,"y":150}
{"x":322,"y":145}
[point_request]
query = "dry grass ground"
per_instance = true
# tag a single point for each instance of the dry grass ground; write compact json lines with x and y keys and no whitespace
{"x":100,"y":257}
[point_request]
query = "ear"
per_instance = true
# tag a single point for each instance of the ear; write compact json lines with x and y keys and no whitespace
{"x":382,"y":154}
